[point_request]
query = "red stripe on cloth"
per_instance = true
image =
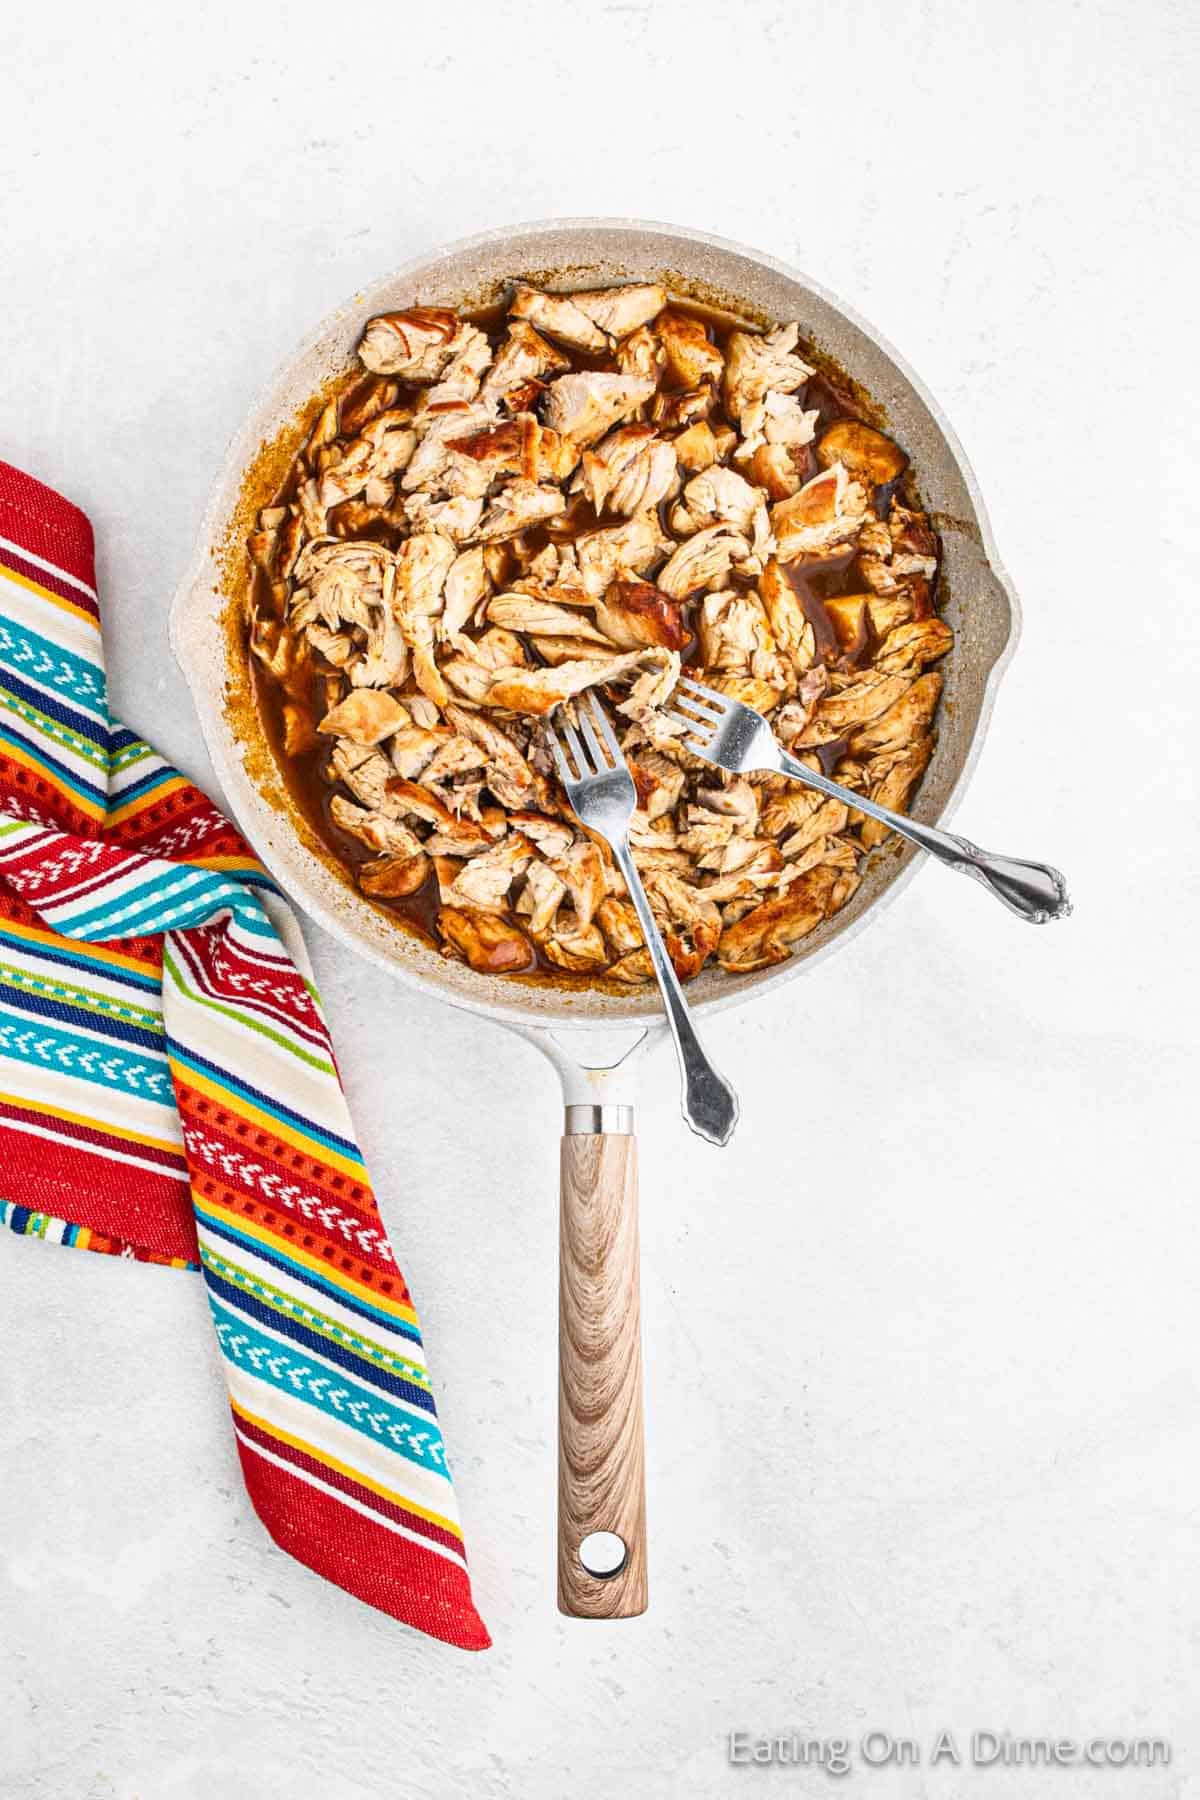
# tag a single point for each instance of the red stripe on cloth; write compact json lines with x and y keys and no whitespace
{"x":89,"y":1137}
{"x":361,"y":1555}
{"x":16,"y":564}
{"x":41,"y":521}
{"x":120,"y":1200}
{"x":365,"y":1496}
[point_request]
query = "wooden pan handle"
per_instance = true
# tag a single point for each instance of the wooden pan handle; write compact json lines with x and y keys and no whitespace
{"x":601,"y":1459}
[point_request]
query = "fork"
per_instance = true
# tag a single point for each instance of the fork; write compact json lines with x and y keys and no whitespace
{"x":603,"y":795}
{"x":734,"y":737}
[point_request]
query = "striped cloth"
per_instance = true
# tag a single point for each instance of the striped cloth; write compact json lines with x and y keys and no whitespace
{"x":168,"y":1092}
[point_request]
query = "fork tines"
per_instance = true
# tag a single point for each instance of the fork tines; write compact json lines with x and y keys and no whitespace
{"x":604,"y":750}
{"x":707,"y":707}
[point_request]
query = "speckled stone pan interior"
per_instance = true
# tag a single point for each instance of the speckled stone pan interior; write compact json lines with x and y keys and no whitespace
{"x":975,"y":596}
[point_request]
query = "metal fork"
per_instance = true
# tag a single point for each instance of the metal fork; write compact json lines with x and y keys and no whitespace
{"x":604,"y":797}
{"x":735,"y":737}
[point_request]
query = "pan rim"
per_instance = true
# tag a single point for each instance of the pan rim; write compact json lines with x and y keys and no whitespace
{"x":195,"y":591}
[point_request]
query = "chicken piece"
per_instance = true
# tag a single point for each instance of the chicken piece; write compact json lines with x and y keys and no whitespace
{"x":434,"y":466}
{"x":869,"y":456}
{"x":615,"y":550}
{"x":541,"y":618}
{"x":721,"y":496}
{"x":780,"y":470}
{"x":754,"y":365}
{"x":484,"y":881}
{"x":777,"y":420}
{"x":366,"y":716}
{"x":748,"y":868}
{"x":696,"y":448}
{"x":470,"y":357}
{"x":895,"y":552}
{"x":520,"y":446}
{"x":487,"y":942}
{"x":394,"y":877}
{"x":581,"y":868}
{"x":633,"y":967}
{"x":380,"y":452}
{"x":619,"y":923}
{"x":467,"y":586}
{"x":641,"y":354}
{"x":454,"y":757}
{"x":913,"y":645}
{"x":891,"y":780}
{"x":457,"y":517}
{"x":907,"y":718}
{"x":736,"y":638}
{"x":551,"y":837}
{"x":792,"y":631}
{"x":854,"y":704}
{"x":678,"y":408}
{"x":850,"y":616}
{"x":416,"y":344}
{"x":689,"y":922}
{"x":826,"y":514}
{"x":704,"y":559}
{"x":584,"y":405}
{"x":767,"y":934}
{"x":523,"y":357}
{"x":735,"y":799}
{"x":373,"y":828}
{"x":510,"y":777}
{"x":592,"y":320}
{"x":629,"y":472}
{"x":539,"y":691}
{"x":414,"y":746}
{"x":653,"y":686}
{"x":541,"y":898}
{"x":751,"y":690}
{"x":580,"y":949}
{"x":335,"y":646}
{"x":368,"y":775}
{"x":517,"y":506}
{"x":636,"y":612}
{"x":800,"y":817}
{"x":341,"y":584}
{"x":691,"y":357}
{"x":422,"y":564}
{"x":558,"y":316}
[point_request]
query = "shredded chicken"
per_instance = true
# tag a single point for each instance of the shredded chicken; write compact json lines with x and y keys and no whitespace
{"x":489,"y":523}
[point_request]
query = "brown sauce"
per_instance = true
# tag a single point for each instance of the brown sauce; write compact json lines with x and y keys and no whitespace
{"x":304,"y":773}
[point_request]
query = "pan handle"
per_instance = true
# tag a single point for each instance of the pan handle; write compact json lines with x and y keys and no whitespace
{"x":601,"y":1454}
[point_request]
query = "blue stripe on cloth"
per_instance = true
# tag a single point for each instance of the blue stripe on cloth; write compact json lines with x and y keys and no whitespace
{"x":302,"y":1334}
{"x":47,"y":1046}
{"x":94,"y":965}
{"x":358,"y":1408}
{"x":300,"y":1272}
{"x":47,"y":1006}
{"x":201,"y":1065}
{"x":96,"y":792}
{"x":95,"y":730}
{"x":40,"y":659}
{"x":141,"y":910}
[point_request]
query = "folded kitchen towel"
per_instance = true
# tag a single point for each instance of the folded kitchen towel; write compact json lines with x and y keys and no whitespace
{"x":168,"y":1092}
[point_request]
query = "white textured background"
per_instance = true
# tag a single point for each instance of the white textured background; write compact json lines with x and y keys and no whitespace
{"x":923,"y":1347}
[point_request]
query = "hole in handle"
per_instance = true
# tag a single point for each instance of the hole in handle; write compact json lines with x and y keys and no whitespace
{"x":603,"y":1554}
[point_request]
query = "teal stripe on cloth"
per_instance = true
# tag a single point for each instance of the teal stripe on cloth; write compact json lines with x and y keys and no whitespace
{"x":41,"y":1045}
{"x":52,"y":667}
{"x":338,"y":1396}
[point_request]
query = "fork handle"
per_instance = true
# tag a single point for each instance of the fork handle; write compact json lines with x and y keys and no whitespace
{"x":710,"y":1105}
{"x":601,"y":1456}
{"x":1035,"y":891}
